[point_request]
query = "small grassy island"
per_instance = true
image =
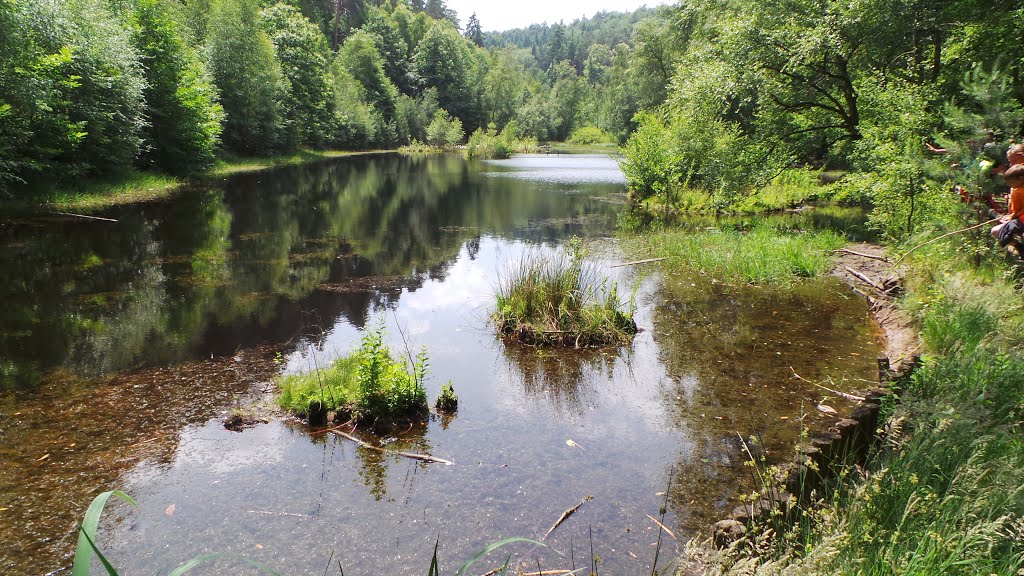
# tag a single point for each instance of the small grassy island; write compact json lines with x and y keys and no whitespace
{"x":369,"y":385}
{"x":561,"y":300}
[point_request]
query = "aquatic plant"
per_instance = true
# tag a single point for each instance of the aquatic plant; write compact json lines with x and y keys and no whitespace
{"x":387,"y":388}
{"x":761,"y":255}
{"x":560,"y":299}
{"x":87,"y":547}
{"x":447,"y":400}
{"x":370,"y":384}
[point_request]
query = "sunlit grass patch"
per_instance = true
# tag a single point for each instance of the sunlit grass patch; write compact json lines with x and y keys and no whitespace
{"x":561,"y":300}
{"x":791,"y":188}
{"x":369,"y":384}
{"x":761,"y":255}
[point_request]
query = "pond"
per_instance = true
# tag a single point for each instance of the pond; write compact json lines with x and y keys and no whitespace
{"x":124,"y":345}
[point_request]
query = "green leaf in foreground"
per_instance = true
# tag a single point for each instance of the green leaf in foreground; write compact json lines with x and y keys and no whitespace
{"x":492,"y":547}
{"x":87,"y":533}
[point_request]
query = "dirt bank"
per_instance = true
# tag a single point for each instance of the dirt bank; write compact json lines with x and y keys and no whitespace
{"x":869,"y":271}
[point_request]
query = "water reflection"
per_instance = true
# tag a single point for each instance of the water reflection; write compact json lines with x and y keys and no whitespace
{"x":129,"y":342}
{"x":234,"y":265}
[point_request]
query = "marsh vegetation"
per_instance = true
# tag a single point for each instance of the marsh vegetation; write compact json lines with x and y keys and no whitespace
{"x":560,"y":299}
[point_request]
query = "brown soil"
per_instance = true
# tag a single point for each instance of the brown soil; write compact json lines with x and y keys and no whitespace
{"x":882,"y":285}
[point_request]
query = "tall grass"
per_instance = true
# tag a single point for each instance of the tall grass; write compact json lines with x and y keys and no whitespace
{"x":943,"y":494}
{"x":369,"y":384}
{"x":762,"y":255}
{"x":561,"y":300}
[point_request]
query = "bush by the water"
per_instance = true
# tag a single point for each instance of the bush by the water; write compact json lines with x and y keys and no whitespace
{"x":562,"y":300}
{"x":489,"y":144}
{"x":370,"y":384}
{"x":590,"y":135}
{"x":762,"y":255}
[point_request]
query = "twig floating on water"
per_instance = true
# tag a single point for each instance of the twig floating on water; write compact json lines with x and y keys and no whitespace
{"x":86,"y":217}
{"x":662,"y":526}
{"x":420,"y":457}
{"x":635,"y":262}
{"x":266,"y":513}
{"x":853,"y":397}
{"x":565,"y":516}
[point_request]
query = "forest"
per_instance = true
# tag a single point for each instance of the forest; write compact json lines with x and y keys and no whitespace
{"x":92,"y":88}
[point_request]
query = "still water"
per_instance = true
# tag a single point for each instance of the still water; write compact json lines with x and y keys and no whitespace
{"x":124,"y":345}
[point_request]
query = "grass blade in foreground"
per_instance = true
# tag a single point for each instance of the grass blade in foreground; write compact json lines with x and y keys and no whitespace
{"x":492,"y":547}
{"x":87,"y":533}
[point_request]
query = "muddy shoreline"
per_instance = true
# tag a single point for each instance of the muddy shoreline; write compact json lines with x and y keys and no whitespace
{"x":898,"y":337}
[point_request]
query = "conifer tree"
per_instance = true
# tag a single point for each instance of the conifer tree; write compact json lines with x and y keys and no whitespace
{"x":473,"y":30}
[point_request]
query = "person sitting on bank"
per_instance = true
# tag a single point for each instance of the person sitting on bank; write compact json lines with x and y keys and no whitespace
{"x":1010,"y":229}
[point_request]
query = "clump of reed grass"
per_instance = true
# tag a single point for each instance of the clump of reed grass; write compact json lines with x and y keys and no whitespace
{"x":761,"y":255}
{"x":561,"y":300}
{"x":369,"y":384}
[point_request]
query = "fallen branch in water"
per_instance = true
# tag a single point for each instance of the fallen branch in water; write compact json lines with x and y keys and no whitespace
{"x":410,"y":455}
{"x":662,"y":526}
{"x":853,"y":397}
{"x":633,"y":263}
{"x":863,"y":278}
{"x":266,"y":513}
{"x":85,"y":217}
{"x":863,"y":255}
{"x":565,"y":516}
{"x":548,"y":573}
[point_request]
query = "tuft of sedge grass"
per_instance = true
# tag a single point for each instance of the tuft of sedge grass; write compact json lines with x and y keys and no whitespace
{"x":762,"y":255}
{"x":561,"y":300}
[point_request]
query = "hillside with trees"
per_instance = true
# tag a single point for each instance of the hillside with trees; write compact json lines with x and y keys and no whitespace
{"x":93,"y":88}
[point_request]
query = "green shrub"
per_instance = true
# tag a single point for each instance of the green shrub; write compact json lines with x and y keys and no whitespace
{"x":444,"y":131}
{"x":334,"y":387}
{"x":560,"y":300}
{"x":489,"y":144}
{"x":591,"y":135}
{"x":370,"y":384}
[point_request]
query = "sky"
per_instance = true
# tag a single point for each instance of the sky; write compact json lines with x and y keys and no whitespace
{"x":505,"y":14}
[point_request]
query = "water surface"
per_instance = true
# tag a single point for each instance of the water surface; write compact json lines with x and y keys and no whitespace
{"x":124,"y":346}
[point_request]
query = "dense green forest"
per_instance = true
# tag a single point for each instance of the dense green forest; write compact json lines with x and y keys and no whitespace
{"x":907,"y":98}
{"x":89,"y":88}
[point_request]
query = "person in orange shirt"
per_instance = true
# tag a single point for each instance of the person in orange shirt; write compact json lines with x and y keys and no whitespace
{"x":1011,"y":228}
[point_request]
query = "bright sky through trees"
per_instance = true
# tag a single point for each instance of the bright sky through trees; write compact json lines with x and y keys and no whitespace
{"x":505,"y":15}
